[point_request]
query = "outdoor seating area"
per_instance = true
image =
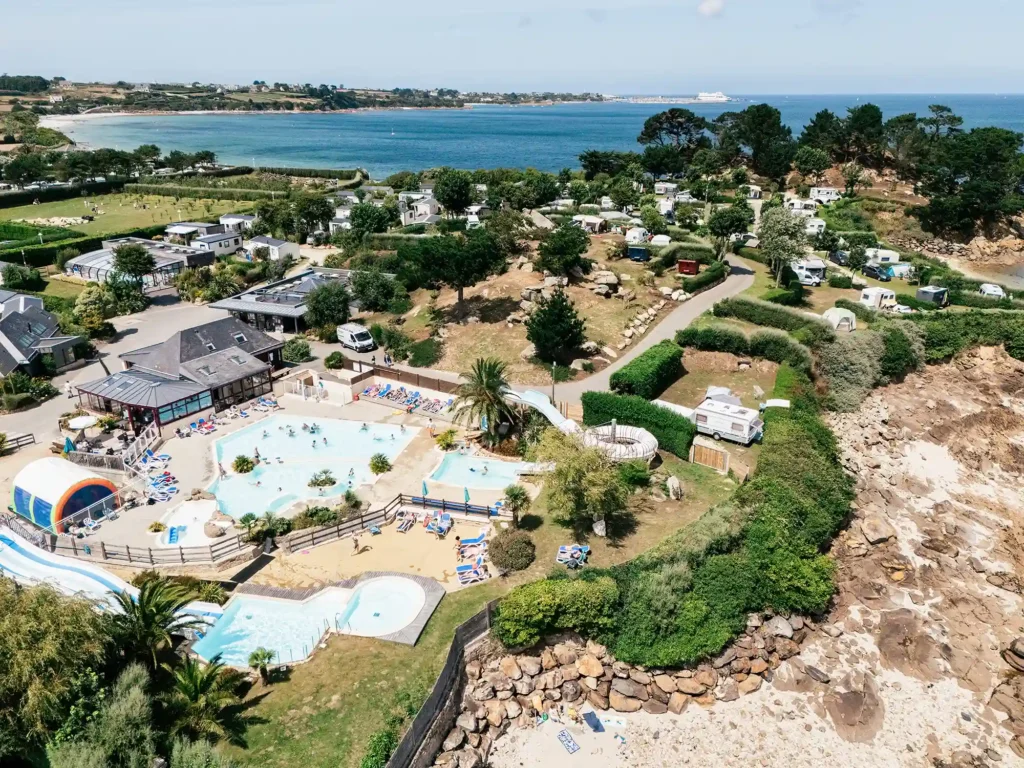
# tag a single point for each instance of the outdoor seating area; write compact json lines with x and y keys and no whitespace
{"x":399,"y":397}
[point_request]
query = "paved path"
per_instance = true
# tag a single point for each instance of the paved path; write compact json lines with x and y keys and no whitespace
{"x":740,"y":279}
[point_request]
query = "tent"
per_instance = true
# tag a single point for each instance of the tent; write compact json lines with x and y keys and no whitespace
{"x":50,"y":490}
{"x":840,"y":319}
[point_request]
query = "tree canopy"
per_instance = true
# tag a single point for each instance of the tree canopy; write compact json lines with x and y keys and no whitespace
{"x":453,"y":189}
{"x":133,"y":261}
{"x":463,"y":260}
{"x":562,"y":250}
{"x":555,"y":328}
{"x":327,"y":305}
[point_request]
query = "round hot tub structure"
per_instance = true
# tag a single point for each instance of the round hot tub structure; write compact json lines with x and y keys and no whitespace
{"x":621,"y":442}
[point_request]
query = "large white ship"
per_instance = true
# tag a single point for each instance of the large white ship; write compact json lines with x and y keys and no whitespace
{"x":702,"y":98}
{"x":715,"y":97}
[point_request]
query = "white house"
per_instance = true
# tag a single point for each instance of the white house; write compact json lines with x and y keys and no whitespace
{"x":343,"y":212}
{"x":665,"y":188}
{"x":425,"y":211}
{"x":636,"y":235}
{"x":825,"y":195}
{"x":56,"y":98}
{"x":338,"y":224}
{"x":279,"y":249}
{"x":878,"y":298}
{"x":805,"y":208}
{"x":411,"y":197}
{"x":237,"y":222}
{"x":607,"y":204}
{"x":814,"y":226}
{"x":753,"y":192}
{"x":481,"y":211}
{"x":686,"y":197}
{"x":187,"y":231}
{"x":220,"y":245}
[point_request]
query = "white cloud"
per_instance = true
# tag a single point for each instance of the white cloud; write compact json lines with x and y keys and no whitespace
{"x":710,"y":7}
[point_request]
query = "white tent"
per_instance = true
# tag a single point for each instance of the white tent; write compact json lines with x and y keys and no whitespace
{"x":636,"y":235}
{"x":840,"y":319}
{"x":660,"y":240}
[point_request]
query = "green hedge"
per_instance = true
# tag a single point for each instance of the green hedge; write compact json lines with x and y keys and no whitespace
{"x":650,"y":373}
{"x":314,"y":173}
{"x":861,"y":312}
{"x":51,"y":194}
{"x":203,"y":193}
{"x":840,"y":281}
{"x":675,"y":432}
{"x":977,"y":301}
{"x":752,"y":254}
{"x":42,"y":255}
{"x":947,"y":333}
{"x":709,"y":278}
{"x":915,"y":303}
{"x":768,"y":344}
{"x":389,"y":241}
{"x":809,"y":328}
{"x":530,"y":612}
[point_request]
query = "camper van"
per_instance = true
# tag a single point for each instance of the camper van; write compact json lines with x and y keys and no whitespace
{"x":878,"y":298}
{"x":726,"y":421}
{"x":809,"y":271}
{"x":824,"y":195}
{"x":992,"y":290}
{"x":355,"y":336}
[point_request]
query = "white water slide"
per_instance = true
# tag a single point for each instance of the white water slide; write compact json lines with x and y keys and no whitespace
{"x":28,"y":564}
{"x":620,"y":442}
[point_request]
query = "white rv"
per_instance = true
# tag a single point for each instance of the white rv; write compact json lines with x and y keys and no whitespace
{"x":878,"y":298}
{"x":825,"y":195}
{"x":992,"y":290}
{"x":726,"y":421}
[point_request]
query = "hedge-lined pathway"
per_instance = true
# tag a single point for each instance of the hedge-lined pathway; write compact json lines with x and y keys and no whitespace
{"x":737,"y":282}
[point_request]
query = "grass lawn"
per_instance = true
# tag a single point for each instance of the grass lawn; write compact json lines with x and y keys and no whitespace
{"x":118,"y":213}
{"x":324,"y":714}
{"x":63,"y":289}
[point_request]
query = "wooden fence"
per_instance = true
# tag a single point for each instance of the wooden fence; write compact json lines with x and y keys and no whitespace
{"x":708,"y":454}
{"x":16,"y":441}
{"x":86,"y":549}
{"x":410,"y":378}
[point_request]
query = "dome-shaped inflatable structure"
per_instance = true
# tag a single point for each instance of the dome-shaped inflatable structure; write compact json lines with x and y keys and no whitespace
{"x":50,"y":490}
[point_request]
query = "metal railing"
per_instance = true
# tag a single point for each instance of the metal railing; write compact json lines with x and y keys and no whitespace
{"x":15,"y":441}
{"x":146,"y":439}
{"x":86,"y":549}
{"x":435,"y":718}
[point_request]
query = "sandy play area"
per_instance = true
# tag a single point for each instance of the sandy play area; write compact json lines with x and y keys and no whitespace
{"x":415,"y":552}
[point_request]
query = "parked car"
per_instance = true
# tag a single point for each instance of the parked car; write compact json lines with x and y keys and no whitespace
{"x":992,"y":291}
{"x":901,"y":309}
{"x":879,"y":273}
{"x":842,"y":258}
{"x":355,"y":336}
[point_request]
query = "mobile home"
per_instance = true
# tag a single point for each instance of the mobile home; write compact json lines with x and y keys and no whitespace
{"x":878,"y":298}
{"x":726,"y":421}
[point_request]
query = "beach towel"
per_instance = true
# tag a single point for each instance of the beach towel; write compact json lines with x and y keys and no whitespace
{"x":568,"y":742}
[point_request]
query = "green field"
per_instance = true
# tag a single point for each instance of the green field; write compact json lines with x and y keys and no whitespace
{"x":120,"y":213}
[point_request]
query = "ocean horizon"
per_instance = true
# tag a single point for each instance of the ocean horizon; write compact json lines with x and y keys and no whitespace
{"x":546,"y":137}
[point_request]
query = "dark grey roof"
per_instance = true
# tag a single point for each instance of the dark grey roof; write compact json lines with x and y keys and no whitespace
{"x":6,"y":295}
{"x":223,"y":367}
{"x":20,"y":332}
{"x":228,"y":333}
{"x":239,"y":216}
{"x":270,"y":241}
{"x":287,"y":297}
{"x":215,"y":238}
{"x":142,"y":389}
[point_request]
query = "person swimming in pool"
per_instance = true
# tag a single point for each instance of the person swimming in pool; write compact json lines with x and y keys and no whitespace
{"x":291,"y":432}
{"x":365,"y":427}
{"x":352,"y":472}
{"x":392,"y":437}
{"x":305,"y":427}
{"x":315,"y":427}
{"x":401,"y":429}
{"x":485,"y":470}
{"x":314,"y":444}
{"x":325,"y":441}
{"x":265,"y":434}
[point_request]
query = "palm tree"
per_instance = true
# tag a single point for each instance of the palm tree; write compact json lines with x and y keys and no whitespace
{"x":248,"y":521}
{"x":202,"y":701}
{"x":516,"y":500}
{"x":482,"y":396}
{"x":259,"y":660}
{"x":142,"y":626}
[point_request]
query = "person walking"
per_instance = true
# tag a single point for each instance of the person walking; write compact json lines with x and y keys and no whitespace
{"x":355,"y":545}
{"x":69,"y":390}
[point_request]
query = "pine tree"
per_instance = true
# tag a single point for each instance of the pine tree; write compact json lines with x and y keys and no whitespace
{"x":555,"y":329}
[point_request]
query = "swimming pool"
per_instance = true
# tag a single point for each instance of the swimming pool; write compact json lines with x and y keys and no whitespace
{"x":468,"y":472}
{"x":292,"y":629}
{"x":289,"y":460}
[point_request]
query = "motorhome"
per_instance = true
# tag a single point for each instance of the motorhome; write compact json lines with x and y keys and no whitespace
{"x":992,"y":290}
{"x":809,"y":271}
{"x":726,"y":421}
{"x":878,"y":298}
{"x":825,"y":195}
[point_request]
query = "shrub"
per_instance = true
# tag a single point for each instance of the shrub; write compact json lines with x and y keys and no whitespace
{"x":423,"y":354}
{"x":714,"y":338}
{"x":379,"y":464}
{"x":650,"y":373}
{"x":863,"y":313}
{"x":446,"y":440}
{"x":296,"y":350}
{"x":528,"y":613}
{"x":947,"y":333}
{"x":382,"y":745}
{"x":635,"y":474}
{"x":674,"y":432}
{"x":852,"y":365}
{"x":20,"y":400}
{"x":903,"y":349}
{"x":156,"y":527}
{"x":555,"y":328}
{"x":512,"y":550}
{"x":242,"y":464}
{"x":915,"y":303}
{"x":334,"y":361}
{"x":840,"y":281}
{"x":781,"y":348}
{"x":709,"y":278}
{"x":817,"y":331}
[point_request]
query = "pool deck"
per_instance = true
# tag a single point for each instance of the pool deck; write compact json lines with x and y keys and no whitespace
{"x":408,"y":635}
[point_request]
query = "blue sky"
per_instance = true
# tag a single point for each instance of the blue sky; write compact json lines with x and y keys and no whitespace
{"x":609,"y":46}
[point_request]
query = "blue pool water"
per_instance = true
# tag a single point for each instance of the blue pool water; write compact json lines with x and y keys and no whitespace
{"x":292,"y":629}
{"x":468,"y":472}
{"x":274,"y":486}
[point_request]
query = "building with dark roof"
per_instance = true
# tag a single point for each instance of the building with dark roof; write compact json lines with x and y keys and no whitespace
{"x":170,"y":259}
{"x":216,"y":365}
{"x":28,"y":333}
{"x":280,"y":306}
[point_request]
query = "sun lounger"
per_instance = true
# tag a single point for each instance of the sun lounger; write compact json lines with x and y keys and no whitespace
{"x":243,"y":414}
{"x":91,"y":524}
{"x":573,"y":556}
{"x":164,"y":457}
{"x":406,"y":524}
{"x":478,"y":539}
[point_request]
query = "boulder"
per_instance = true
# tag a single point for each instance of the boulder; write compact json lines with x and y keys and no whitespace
{"x":454,"y":739}
{"x":778,"y":626}
{"x":548,"y":680}
{"x":531,"y":293}
{"x":657,"y":694}
{"x":513,"y":709}
{"x":606,"y":278}
{"x":530,"y":665}
{"x":495,"y":712}
{"x":569,"y":672}
{"x":690,"y":686}
{"x":603,"y":290}
{"x":597,"y":701}
{"x":467,"y":722}
{"x":523,"y":686}
{"x":706,"y":677}
{"x":499,"y":681}
{"x":675,"y":488}
{"x":556,"y":282}
{"x":571,"y":690}
{"x":665,"y":683}
{"x":786,"y":648}
{"x":547,"y":659}
{"x":726,"y":658}
{"x":817,"y":674}
{"x":1017,"y":647}
{"x":653,"y":707}
{"x":750,"y":684}
{"x":609,"y":352}
{"x":630,"y":688}
{"x":212,"y":530}
{"x":876,"y":530}
{"x":529,"y":352}
{"x":590,"y":347}
{"x":510,"y":668}
{"x":639,"y":676}
{"x":589,"y":666}
{"x":482,"y":691}
{"x":728,"y":691}
{"x":553,"y":695}
{"x":758,"y":666}
{"x":578,"y":363}
{"x":677,"y":703}
{"x":620,"y":669}
{"x":621,"y":703}
{"x":665,"y":291}
{"x":470,"y":758}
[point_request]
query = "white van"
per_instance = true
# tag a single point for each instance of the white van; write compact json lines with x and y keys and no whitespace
{"x":992,"y":291}
{"x":355,"y":336}
{"x":725,"y":421}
